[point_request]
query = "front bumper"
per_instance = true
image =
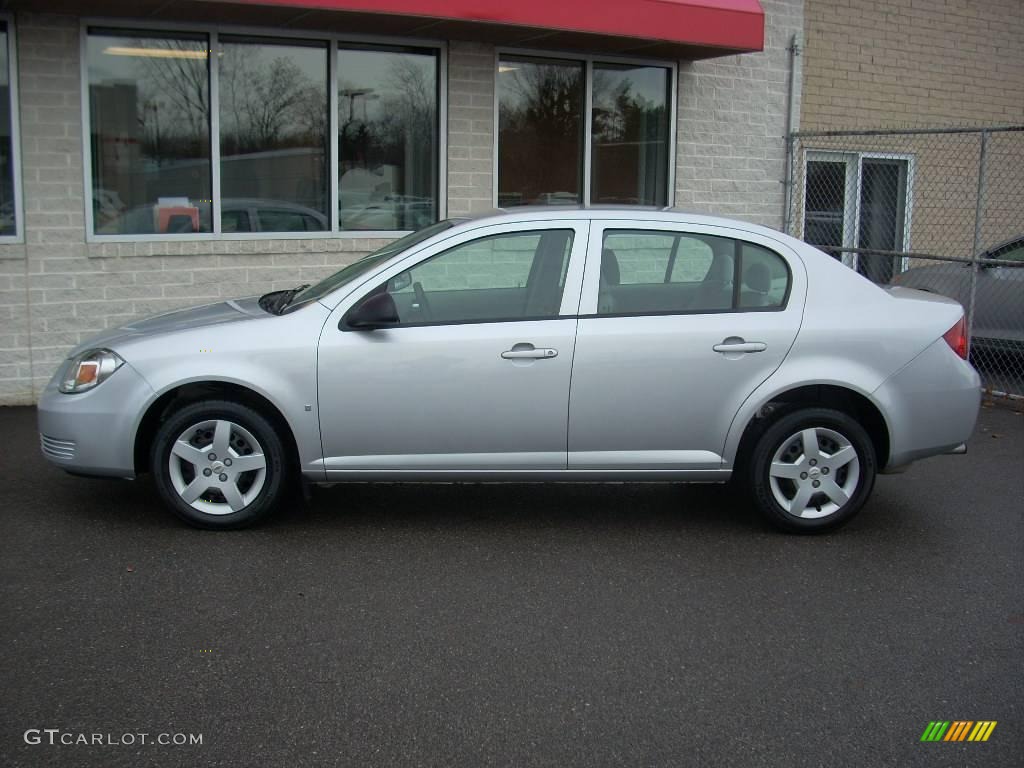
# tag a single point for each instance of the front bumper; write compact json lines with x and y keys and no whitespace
{"x":93,"y":433}
{"x":932,"y":405}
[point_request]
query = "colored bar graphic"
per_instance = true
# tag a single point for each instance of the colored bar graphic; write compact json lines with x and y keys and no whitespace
{"x":958,"y":730}
{"x":982,"y":730}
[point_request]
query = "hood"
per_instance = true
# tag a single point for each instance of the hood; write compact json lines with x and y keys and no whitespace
{"x":230,"y":311}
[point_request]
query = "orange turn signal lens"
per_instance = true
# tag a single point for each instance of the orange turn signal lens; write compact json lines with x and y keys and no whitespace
{"x":87,"y":372}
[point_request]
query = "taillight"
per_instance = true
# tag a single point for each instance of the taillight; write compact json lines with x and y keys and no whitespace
{"x":956,"y":337}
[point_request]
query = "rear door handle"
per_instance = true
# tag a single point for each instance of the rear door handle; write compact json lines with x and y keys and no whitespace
{"x":529,"y":352}
{"x":734,"y":344}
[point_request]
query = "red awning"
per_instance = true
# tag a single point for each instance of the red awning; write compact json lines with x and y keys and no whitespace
{"x":697,"y":27}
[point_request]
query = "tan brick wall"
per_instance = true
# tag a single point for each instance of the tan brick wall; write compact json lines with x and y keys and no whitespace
{"x":894,"y":64}
{"x":890,"y":63}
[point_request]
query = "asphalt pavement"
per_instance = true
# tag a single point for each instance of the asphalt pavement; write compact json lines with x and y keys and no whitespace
{"x":513,"y":625}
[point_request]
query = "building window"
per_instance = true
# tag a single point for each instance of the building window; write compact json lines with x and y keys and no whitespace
{"x":149,"y":131}
{"x":854,"y":200}
{"x":273,"y":134}
{"x":159,"y":102}
{"x":540,"y":131}
{"x":9,"y":213}
{"x":550,"y":151}
{"x":629,"y":123}
{"x":388,"y":147}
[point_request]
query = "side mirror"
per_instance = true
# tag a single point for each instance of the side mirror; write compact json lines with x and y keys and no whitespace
{"x":377,"y":311}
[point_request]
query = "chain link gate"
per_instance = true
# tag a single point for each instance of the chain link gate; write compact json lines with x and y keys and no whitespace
{"x":938,"y":209}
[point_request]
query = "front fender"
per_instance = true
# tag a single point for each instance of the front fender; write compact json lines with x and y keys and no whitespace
{"x":262,"y":356}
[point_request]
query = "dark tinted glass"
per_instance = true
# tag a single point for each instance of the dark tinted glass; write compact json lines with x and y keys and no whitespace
{"x":540,"y":141}
{"x":149,"y":118}
{"x":825,"y":203}
{"x":883,"y":194}
{"x":387,"y":139}
{"x":273,"y":132}
{"x":8,"y":225}
{"x":630,"y":135}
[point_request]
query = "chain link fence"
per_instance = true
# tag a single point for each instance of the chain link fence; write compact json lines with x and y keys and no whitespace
{"x":939,"y":209}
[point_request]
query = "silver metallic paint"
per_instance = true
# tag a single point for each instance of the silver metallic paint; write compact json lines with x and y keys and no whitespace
{"x":439,"y":402}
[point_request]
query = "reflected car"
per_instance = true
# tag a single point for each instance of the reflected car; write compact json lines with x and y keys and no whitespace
{"x":999,"y":309}
{"x":536,"y":345}
{"x":236,"y":215}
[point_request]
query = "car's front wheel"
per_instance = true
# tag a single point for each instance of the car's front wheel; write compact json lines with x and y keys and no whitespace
{"x":812,"y":470}
{"x":219,"y":464}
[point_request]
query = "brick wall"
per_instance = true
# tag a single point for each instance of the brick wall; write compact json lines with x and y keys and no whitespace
{"x":731,"y":124}
{"x":890,"y":63}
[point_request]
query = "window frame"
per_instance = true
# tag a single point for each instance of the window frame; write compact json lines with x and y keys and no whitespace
{"x":348,"y":296}
{"x":853,"y":161}
{"x":574,"y":233}
{"x":591,"y":281}
{"x":213,"y":31}
{"x":18,"y":238}
{"x":589,"y":60}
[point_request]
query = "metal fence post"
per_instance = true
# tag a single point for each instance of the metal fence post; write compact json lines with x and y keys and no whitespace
{"x":788,"y":174}
{"x":979,"y":202}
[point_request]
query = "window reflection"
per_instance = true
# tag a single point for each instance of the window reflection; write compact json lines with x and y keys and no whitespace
{"x":387,"y":139}
{"x":273,"y":134}
{"x":540,"y":142}
{"x":149,"y":114}
{"x":630,"y":135}
{"x":8,"y":223}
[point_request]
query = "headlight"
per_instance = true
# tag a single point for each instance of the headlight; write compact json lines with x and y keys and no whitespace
{"x":89,"y":370}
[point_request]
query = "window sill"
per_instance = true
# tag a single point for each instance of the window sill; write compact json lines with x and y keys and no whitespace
{"x":205,"y":245}
{"x":11,"y":248}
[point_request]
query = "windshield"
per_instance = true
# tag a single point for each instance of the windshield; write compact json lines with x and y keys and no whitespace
{"x":365,"y":264}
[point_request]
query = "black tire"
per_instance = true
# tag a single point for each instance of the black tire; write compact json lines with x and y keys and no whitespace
{"x":274,"y":479}
{"x":855,"y":481}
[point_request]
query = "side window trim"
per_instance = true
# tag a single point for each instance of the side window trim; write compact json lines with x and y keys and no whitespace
{"x":571,"y":290}
{"x":739,"y":237}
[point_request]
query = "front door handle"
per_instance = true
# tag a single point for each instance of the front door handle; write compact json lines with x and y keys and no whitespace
{"x":529,"y":352}
{"x":736,"y":344}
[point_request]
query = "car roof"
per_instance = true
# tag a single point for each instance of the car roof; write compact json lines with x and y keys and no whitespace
{"x":526,"y":213}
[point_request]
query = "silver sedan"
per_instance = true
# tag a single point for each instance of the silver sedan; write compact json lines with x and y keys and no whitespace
{"x":544,"y":344}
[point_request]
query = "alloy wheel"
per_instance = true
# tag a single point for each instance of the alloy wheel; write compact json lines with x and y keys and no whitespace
{"x":217,"y":467}
{"x":814,"y":472}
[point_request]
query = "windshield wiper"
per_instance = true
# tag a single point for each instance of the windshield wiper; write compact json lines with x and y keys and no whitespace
{"x":283,"y":299}
{"x":276,"y":301}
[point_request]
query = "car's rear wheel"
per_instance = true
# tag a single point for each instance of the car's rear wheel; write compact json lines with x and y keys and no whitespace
{"x":219,"y":464}
{"x":812,"y":470}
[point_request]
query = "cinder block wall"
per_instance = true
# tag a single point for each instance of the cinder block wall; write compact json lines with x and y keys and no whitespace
{"x":56,"y":289}
{"x":731,"y":124}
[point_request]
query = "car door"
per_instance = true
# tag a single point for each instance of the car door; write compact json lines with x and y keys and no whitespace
{"x":678,"y":325}
{"x":475,"y":375}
